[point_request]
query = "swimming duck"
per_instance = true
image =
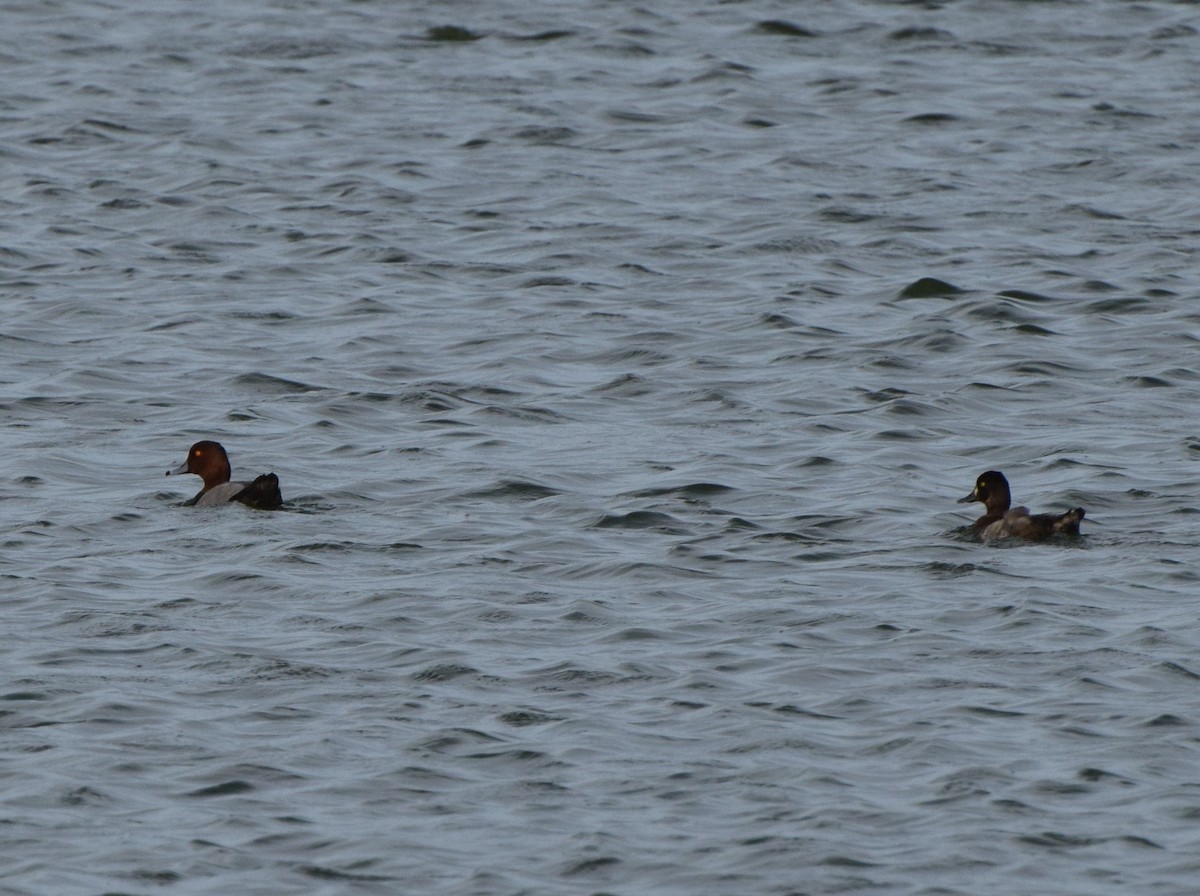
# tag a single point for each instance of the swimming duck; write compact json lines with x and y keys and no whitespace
{"x":1001,"y":522}
{"x":209,"y":461}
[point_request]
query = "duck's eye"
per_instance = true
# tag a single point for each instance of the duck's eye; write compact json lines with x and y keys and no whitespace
{"x":198,"y":453}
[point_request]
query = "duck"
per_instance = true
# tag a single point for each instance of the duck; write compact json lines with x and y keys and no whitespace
{"x":1001,"y":521}
{"x":208,"y":460}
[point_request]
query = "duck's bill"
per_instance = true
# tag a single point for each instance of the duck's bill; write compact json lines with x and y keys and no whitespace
{"x":182,"y":468}
{"x":964,"y":500}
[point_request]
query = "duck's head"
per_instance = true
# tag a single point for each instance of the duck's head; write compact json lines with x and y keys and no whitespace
{"x":991,"y":488}
{"x":207,"y":460}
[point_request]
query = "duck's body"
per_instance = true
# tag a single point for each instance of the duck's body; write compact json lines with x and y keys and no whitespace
{"x":209,"y":461}
{"x":1004,"y":521}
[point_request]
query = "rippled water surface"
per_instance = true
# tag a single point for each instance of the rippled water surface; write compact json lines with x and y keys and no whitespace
{"x":621,"y":366}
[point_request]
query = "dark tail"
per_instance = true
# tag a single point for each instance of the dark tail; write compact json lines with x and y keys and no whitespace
{"x":1068,"y":523}
{"x":263,"y":493}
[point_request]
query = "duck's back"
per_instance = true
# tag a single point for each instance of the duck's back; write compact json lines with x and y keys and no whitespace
{"x":261,"y":494}
{"x":219,"y":494}
{"x":1020,"y":523}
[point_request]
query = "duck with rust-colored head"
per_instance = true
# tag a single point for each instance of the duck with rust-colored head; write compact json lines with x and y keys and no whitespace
{"x":209,"y":461}
{"x":1003,"y":521}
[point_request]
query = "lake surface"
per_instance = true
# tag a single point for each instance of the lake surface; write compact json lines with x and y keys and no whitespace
{"x":621,"y":367}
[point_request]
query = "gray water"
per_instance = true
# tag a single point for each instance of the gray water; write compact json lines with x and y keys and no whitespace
{"x":621,"y":367}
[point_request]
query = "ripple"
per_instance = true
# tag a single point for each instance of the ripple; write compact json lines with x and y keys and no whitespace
{"x":640,"y":519}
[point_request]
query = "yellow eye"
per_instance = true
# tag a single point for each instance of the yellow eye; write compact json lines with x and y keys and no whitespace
{"x":198,"y":452}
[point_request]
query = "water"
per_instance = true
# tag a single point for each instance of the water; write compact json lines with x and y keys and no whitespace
{"x":621,"y":367}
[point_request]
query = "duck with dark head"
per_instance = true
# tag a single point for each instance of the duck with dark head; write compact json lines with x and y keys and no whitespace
{"x":1003,"y":521}
{"x":209,"y":461}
